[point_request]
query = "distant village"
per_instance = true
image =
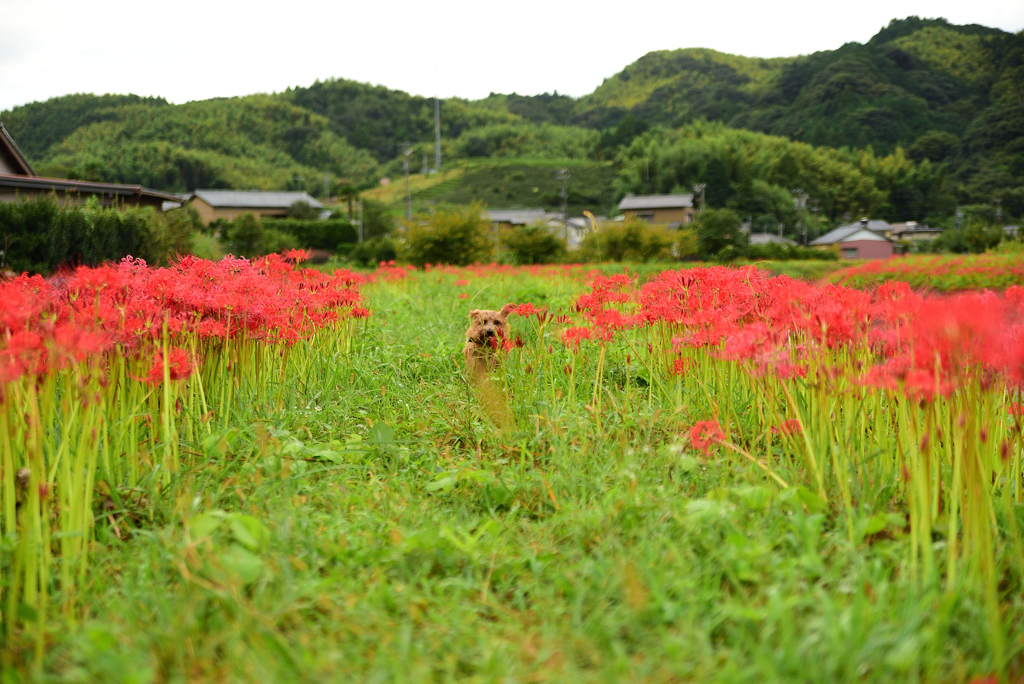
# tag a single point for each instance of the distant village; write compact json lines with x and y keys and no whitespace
{"x":865,"y":238}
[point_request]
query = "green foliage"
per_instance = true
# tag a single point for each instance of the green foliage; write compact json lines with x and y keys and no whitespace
{"x":686,"y":244}
{"x":174,"y":234}
{"x":629,"y":240}
{"x":371,"y":252}
{"x":38,"y":126}
{"x":533,"y":244}
{"x":258,"y":141}
{"x":774,"y":251}
{"x":514,"y":185}
{"x":719,"y":230}
{"x":302,"y":211}
{"x":207,"y":247}
{"x":41,"y":235}
{"x":539,"y":141}
{"x":248,"y":236}
{"x":376,"y":119}
{"x":755,"y":174}
{"x":975,"y":237}
{"x":316,"y":233}
{"x":378,"y":221}
{"x":450,"y":235}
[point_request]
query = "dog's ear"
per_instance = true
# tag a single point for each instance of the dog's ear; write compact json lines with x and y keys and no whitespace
{"x":507,"y":309}
{"x":474,"y":314}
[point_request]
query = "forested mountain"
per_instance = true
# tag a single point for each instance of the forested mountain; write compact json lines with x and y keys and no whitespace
{"x":930,"y":113}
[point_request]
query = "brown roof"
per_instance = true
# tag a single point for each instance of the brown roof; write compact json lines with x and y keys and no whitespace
{"x":9,"y":151}
{"x":84,"y":187}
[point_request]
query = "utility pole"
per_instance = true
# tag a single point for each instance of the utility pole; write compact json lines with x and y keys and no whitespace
{"x":406,"y":151}
{"x":800,"y":199}
{"x":699,"y":188}
{"x":327,"y":188}
{"x":998,"y":201}
{"x":360,"y":218}
{"x":959,"y":217}
{"x":564,"y":175}
{"x":437,"y":126}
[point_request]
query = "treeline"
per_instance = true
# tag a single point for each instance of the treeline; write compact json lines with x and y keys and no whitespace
{"x":43,"y":235}
{"x":761,"y":176}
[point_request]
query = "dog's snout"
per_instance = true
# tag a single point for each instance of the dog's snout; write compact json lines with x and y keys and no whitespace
{"x":489,"y":333}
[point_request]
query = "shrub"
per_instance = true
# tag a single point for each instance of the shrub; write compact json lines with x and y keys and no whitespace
{"x":451,"y":235}
{"x":974,"y":238}
{"x":774,"y":251}
{"x":41,"y":234}
{"x":248,"y":236}
{"x":372,"y":252}
{"x":686,"y":244}
{"x":173,"y":235}
{"x":631,"y":240}
{"x":377,"y":219}
{"x":534,"y":244}
{"x":317,"y":233}
{"x":718,"y":229}
{"x":303,"y":210}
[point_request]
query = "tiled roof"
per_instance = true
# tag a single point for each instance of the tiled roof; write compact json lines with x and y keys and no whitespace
{"x":9,"y":149}
{"x":516,"y":216}
{"x":843,"y":232}
{"x":255,"y":199}
{"x":634,"y":202}
{"x":83,"y":187}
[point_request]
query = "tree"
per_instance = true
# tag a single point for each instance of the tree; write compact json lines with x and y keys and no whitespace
{"x":301,"y":209}
{"x":533,"y":244}
{"x":718,"y":229}
{"x":451,"y":235}
{"x":350,"y":194}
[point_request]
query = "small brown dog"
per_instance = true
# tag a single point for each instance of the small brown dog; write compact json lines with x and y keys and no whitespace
{"x":486,"y":331}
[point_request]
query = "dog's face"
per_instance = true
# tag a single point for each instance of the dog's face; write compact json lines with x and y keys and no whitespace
{"x":484,"y":325}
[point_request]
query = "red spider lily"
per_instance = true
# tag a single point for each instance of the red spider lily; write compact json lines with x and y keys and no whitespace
{"x":704,"y":434}
{"x":463,"y":295}
{"x":88,"y":311}
{"x":461,"y":282}
{"x":571,"y":337}
{"x":179,"y":366}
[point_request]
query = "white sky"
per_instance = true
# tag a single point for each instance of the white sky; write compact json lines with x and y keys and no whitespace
{"x":196,"y":49}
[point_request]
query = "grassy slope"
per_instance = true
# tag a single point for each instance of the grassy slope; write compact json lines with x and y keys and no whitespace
{"x":638,"y":81}
{"x":552,"y":551}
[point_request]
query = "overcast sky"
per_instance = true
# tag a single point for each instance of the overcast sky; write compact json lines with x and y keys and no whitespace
{"x":196,"y":49}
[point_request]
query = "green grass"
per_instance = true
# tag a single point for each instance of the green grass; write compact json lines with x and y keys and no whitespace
{"x":410,"y":539}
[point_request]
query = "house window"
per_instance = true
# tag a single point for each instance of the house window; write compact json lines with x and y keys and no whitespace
{"x":849,"y":252}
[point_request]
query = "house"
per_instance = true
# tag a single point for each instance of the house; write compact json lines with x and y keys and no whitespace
{"x":858,"y":240}
{"x":508,"y":218}
{"x":18,"y":180}
{"x":228,"y":204}
{"x":913,"y":231}
{"x":670,"y":210}
{"x":770,"y":238}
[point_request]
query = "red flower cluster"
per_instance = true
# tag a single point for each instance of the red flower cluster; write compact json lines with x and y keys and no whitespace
{"x":922,"y":345}
{"x":945,"y":273}
{"x":46,"y":324}
{"x":705,"y":434}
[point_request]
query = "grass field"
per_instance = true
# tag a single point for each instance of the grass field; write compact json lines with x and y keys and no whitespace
{"x":358,"y":513}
